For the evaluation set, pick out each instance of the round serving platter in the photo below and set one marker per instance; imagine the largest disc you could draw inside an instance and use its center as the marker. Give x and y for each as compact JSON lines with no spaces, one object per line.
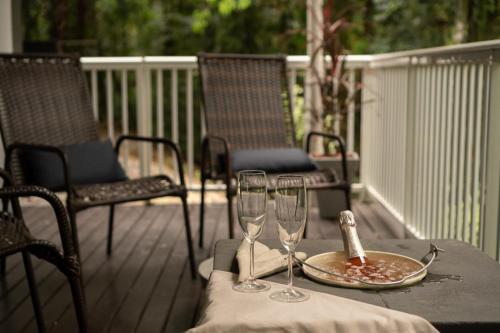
{"x":336,"y":261}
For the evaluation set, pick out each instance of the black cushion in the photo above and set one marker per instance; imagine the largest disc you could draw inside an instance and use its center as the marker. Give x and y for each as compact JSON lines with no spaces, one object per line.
{"x":272,"y":160}
{"x":89,"y":163}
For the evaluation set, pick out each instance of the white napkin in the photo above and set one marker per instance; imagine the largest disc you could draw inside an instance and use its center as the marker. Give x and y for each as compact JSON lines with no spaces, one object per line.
{"x":227,"y":310}
{"x":266,"y":261}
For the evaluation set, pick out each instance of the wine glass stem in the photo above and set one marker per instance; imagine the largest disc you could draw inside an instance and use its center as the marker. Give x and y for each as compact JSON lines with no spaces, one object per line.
{"x":251,"y":278}
{"x":290,"y":269}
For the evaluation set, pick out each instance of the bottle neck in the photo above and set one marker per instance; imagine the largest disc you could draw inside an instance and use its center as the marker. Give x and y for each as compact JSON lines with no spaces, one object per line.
{"x":352,"y":245}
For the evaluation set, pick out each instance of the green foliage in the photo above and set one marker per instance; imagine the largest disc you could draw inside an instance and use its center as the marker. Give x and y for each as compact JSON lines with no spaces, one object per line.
{"x":132,"y":27}
{"x":175,"y":27}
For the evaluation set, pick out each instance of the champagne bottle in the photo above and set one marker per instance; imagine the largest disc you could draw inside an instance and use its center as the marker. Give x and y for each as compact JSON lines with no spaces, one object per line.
{"x":352,"y":246}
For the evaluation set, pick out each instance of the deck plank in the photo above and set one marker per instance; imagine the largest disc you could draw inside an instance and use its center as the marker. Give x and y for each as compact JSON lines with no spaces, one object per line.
{"x":59,"y":301}
{"x":129,"y":312}
{"x":96,"y":259}
{"x":145,"y":286}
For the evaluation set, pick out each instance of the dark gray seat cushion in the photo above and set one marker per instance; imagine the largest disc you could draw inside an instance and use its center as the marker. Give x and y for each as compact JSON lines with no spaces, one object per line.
{"x":272,"y":160}
{"x":89,"y":163}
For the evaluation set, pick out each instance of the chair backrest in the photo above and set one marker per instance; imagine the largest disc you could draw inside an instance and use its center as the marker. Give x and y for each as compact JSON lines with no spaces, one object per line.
{"x":246,"y":100}
{"x":44,"y":99}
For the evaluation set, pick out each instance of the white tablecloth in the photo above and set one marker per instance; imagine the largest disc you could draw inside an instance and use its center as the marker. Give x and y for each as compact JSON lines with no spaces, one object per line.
{"x":229,"y":311}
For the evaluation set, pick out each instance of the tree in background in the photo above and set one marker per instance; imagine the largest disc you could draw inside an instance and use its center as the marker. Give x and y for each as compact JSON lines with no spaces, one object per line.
{"x":174,"y":27}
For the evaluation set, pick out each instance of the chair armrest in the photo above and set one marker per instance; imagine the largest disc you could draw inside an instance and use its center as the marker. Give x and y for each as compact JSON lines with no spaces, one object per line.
{"x":227,"y":150}
{"x":65,"y":231}
{"x":172,"y":145}
{"x":340,"y":142}
{"x":39,"y":147}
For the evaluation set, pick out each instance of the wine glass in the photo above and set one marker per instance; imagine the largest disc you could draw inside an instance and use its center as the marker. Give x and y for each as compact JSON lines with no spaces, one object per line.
{"x":291,"y":212}
{"x":252,"y":205}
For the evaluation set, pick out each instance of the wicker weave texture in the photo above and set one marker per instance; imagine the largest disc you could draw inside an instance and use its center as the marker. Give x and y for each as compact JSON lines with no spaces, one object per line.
{"x":245,"y":100}
{"x":124,"y":191}
{"x":44,"y":100}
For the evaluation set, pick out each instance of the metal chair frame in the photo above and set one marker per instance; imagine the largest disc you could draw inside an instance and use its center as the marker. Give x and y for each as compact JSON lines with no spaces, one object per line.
{"x":18,"y":239}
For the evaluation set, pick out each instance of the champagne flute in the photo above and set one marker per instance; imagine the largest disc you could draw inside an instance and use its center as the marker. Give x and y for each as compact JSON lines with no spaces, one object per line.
{"x":291,"y":212}
{"x":252,"y":205}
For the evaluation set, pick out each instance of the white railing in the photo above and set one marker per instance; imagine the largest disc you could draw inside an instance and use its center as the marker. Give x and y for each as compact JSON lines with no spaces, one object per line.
{"x":430,"y":127}
{"x":148,"y":76}
{"x":430,"y":140}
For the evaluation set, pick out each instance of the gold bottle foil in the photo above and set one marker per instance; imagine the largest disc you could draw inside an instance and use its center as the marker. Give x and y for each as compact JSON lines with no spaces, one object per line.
{"x":352,"y":245}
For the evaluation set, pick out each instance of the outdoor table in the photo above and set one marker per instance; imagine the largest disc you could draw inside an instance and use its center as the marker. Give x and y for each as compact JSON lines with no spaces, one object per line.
{"x":461,"y":292}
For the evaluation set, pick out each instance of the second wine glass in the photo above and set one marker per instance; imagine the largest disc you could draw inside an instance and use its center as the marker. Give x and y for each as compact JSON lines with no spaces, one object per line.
{"x":291,"y":212}
{"x":252,"y":205}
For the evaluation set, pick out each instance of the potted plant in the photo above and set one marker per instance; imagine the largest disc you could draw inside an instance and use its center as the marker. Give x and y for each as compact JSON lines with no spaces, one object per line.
{"x":334,"y":85}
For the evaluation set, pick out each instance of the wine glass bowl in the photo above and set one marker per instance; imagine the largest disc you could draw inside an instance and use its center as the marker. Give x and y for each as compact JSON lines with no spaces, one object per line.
{"x":290,"y":206}
{"x":251,"y":206}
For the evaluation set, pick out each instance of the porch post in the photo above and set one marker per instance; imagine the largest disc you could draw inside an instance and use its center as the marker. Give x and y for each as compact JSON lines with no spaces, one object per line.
{"x":314,"y":106}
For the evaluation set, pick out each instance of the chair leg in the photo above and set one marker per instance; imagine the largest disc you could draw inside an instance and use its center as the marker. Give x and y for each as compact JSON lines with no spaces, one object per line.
{"x":3,"y":261}
{"x":347,"y":194}
{"x":72,"y":221}
{"x":76,"y":242}
{"x":110,"y":229}
{"x":202,"y":213}
{"x":230,"y":214}
{"x":35,"y":300}
{"x":187,"y":226}
{"x":79,"y":303}
{"x":3,"y":266}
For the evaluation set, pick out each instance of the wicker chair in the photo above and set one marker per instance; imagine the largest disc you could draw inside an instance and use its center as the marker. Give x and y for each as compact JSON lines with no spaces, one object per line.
{"x":45,"y":105}
{"x":16,"y":238}
{"x":247,"y":106}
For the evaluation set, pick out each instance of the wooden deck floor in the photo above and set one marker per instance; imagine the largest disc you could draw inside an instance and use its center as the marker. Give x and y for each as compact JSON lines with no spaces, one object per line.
{"x":145,"y":286}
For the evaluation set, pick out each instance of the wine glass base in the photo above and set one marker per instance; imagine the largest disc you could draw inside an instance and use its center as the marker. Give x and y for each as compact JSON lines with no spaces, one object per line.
{"x":289,"y":295}
{"x":251,"y":286}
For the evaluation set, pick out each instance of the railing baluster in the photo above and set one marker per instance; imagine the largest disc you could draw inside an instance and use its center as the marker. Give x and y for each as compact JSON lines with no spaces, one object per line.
{"x":95,"y":93}
{"x":351,"y":110}
{"x":203,"y":122}
{"x":148,"y":124}
{"x":189,"y":124}
{"x":174,"y":107}
{"x":159,"y":118}
{"x":477,"y":158}
{"x":467,"y":221}
{"x":109,"y":105}
{"x":442,"y":149}
{"x":416,"y":150}
{"x":140,"y":114}
{"x":455,"y":157}
{"x":461,"y":152}
{"x":436,"y":111}
{"x":448,"y":156}
{"x":402,"y":112}
{"x":420,"y":146}
{"x":125,"y":125}
{"x":426,"y":175}
{"x":386,"y":125}
{"x":174,"y":121}
{"x":292,"y":81}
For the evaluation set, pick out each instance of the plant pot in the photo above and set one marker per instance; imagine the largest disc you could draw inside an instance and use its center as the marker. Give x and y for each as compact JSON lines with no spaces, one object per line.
{"x":329,"y":202}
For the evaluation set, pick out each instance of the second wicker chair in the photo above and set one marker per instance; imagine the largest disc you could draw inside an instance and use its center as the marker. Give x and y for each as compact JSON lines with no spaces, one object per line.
{"x":247,"y":106}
